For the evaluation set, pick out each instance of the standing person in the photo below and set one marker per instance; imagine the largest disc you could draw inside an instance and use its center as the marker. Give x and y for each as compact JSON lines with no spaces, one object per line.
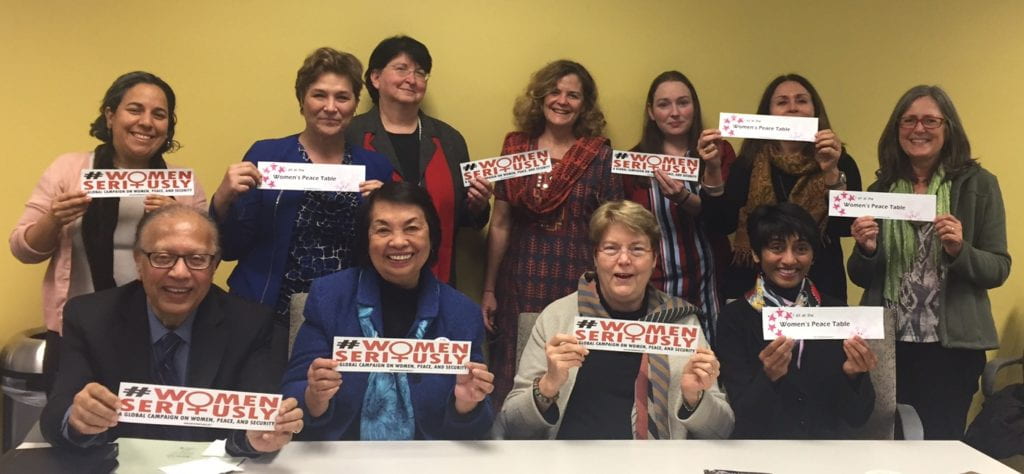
{"x":935,"y":276}
{"x":538,"y":235}
{"x":422,"y":149}
{"x":691,"y":254}
{"x":771,"y":171}
{"x":566,"y":391}
{"x":285,"y":239}
{"x":88,"y":242}
{"x":786,"y":388}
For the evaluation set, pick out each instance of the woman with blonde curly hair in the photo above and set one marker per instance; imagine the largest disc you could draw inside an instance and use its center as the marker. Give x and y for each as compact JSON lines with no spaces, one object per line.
{"x":538,"y":234}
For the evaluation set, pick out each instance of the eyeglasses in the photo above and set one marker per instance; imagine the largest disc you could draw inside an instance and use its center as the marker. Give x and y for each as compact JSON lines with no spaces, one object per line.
{"x":928,"y":121}
{"x":199,"y":261}
{"x":613,"y":250}
{"x":403,"y":71}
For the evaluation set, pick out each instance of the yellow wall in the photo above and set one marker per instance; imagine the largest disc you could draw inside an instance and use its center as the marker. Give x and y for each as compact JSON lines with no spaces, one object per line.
{"x":232,"y":64}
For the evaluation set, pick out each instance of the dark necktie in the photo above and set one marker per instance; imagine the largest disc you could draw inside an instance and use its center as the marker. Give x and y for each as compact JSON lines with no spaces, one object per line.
{"x":163,"y":359}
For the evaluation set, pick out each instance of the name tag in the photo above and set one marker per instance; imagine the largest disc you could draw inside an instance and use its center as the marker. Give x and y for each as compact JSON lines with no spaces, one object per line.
{"x":202,"y":407}
{"x":618,"y":335}
{"x":644,"y":164}
{"x":898,"y":206}
{"x":311,"y":176}
{"x":380,"y":354}
{"x":768,"y":127}
{"x":823,"y":322}
{"x":504,"y":167}
{"x":138,"y":182}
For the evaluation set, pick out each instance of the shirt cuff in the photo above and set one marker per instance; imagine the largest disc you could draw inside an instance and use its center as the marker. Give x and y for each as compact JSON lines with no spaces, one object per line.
{"x":76,"y":438}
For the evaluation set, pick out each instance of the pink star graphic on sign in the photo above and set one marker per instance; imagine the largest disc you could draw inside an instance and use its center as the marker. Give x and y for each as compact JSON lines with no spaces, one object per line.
{"x":835,"y":206}
{"x":844,"y":195}
{"x":731,"y":133}
{"x":779,"y":313}
{"x":842,"y":212}
{"x":771,"y":328}
{"x":726,"y":120}
{"x":778,"y":333}
{"x":266,"y":170}
{"x":734,"y":118}
{"x":838,"y":198}
{"x":850,"y":197}
{"x":740,"y":120}
{"x":771,"y":318}
{"x":789,"y":315}
{"x":270,"y":183}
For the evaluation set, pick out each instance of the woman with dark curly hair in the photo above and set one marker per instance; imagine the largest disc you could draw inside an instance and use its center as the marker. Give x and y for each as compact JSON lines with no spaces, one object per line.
{"x":538,"y":235}
{"x":89,"y":242}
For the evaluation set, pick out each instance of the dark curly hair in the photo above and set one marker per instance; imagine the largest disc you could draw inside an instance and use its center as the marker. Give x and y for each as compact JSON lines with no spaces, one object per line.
{"x":529,"y":107}
{"x":112,"y":99}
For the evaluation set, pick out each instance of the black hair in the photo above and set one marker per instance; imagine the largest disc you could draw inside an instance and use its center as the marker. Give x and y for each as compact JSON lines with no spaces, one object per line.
{"x":390,"y":49}
{"x":399,"y":192}
{"x":112,"y":99}
{"x":751,"y":148}
{"x":769,"y":223}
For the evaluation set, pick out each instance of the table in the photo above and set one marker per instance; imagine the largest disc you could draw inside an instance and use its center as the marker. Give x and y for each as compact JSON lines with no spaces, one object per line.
{"x":620,"y":457}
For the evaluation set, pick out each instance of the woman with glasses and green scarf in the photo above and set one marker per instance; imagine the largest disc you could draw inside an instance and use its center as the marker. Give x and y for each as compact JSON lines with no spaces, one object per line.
{"x":934,"y":276}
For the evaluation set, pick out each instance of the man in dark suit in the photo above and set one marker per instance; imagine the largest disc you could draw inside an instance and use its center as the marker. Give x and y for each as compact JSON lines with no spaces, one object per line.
{"x":171,"y":327}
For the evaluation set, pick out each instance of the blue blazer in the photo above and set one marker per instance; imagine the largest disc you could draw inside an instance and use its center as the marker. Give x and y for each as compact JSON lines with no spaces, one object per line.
{"x":258,"y":228}
{"x":332,"y":310}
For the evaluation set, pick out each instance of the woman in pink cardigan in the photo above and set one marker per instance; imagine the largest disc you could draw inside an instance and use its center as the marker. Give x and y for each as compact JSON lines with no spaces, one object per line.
{"x":89,"y":242}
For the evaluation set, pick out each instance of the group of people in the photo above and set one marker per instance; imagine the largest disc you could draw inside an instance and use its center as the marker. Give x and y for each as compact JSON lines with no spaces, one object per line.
{"x":577,"y":240}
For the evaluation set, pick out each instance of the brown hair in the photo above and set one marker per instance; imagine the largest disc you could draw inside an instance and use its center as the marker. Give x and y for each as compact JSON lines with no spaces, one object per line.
{"x":627,"y":213}
{"x":328,"y":60}
{"x":529,"y":107}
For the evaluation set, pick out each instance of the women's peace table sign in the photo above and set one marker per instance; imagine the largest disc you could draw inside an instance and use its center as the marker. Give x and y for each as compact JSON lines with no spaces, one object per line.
{"x":382,"y":354}
{"x":101,"y":183}
{"x":823,"y":322}
{"x":644,"y":164}
{"x":280,"y":176}
{"x":897,"y":206}
{"x":617,"y":335}
{"x":768,"y":127}
{"x":505,"y":167}
{"x":187,"y":406}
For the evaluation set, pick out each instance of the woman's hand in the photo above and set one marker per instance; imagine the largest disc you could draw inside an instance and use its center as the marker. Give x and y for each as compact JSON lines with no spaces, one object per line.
{"x":776,"y":356}
{"x":699,"y":374}
{"x":478,"y":194}
{"x":472,"y":387}
{"x":563,"y":352}
{"x":239,"y":178}
{"x":367,"y":187}
{"x":488,"y":307}
{"x":68,"y":206}
{"x":859,"y":357}
{"x":322,"y":382}
{"x":156,"y":201}
{"x":709,"y":150}
{"x":287,"y":423}
{"x":826,"y":152}
{"x":951,"y":234}
{"x":865,"y":232}
{"x":673,"y":189}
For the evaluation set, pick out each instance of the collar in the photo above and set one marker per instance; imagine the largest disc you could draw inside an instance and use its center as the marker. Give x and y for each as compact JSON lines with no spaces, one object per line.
{"x":368,"y":294}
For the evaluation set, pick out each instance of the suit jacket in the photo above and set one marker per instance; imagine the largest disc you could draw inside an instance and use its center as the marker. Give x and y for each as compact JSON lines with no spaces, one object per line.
{"x":107,"y":340}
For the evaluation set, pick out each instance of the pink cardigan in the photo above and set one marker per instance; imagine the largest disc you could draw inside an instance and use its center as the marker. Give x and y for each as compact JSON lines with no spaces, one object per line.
{"x":61,"y":176}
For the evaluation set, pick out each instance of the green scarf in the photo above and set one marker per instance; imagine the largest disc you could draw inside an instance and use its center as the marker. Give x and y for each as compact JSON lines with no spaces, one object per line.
{"x":900,"y":238}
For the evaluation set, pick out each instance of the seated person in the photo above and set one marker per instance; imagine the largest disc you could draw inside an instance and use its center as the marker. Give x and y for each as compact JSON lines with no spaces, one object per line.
{"x":393,"y":294}
{"x":788,"y":389}
{"x":565,"y":391}
{"x":171,"y":328}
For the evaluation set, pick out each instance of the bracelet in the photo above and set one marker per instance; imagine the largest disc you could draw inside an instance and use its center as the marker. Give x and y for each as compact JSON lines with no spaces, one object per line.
{"x":686,"y":406}
{"x":540,"y":397}
{"x":713,"y":190}
{"x":488,"y":291}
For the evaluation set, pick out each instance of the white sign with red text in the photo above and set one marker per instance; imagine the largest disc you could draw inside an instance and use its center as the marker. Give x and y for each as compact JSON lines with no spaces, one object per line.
{"x":897,"y":206}
{"x":619,"y":335}
{"x":507,"y":166}
{"x":768,"y":127}
{"x":381,"y":354}
{"x":835,"y":322}
{"x":311,"y":176}
{"x":644,"y":164}
{"x":187,"y":406}
{"x":138,"y":182}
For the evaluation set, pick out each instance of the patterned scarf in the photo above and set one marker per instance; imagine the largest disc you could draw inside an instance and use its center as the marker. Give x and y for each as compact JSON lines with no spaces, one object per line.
{"x":809,"y":192}
{"x":100,"y":221}
{"x":387,"y":412}
{"x":526,"y":192}
{"x":650,"y":416}
{"x":764,"y":295}
{"x":900,"y":238}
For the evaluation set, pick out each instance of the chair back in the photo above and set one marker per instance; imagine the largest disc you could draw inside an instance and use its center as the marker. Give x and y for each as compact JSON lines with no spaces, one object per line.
{"x":526,"y":322}
{"x":883,"y":419}
{"x":296,"y":316}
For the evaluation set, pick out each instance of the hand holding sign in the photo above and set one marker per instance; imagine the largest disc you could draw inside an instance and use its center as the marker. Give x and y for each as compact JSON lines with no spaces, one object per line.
{"x":156,"y":201}
{"x":322,"y":382}
{"x":563,"y":352}
{"x":369,"y":186}
{"x":865,"y":231}
{"x":859,"y":357}
{"x":239,"y":178}
{"x":287,"y":423}
{"x":93,"y":410}
{"x":700,"y":373}
{"x":826,"y":150}
{"x":69,"y":206}
{"x":472,"y":388}
{"x":478,"y":194}
{"x":708,"y":148}
{"x":951,"y":234}
{"x":776,"y":356}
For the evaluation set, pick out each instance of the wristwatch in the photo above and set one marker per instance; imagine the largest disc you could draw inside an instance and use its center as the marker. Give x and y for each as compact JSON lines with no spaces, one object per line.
{"x":838,"y":184}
